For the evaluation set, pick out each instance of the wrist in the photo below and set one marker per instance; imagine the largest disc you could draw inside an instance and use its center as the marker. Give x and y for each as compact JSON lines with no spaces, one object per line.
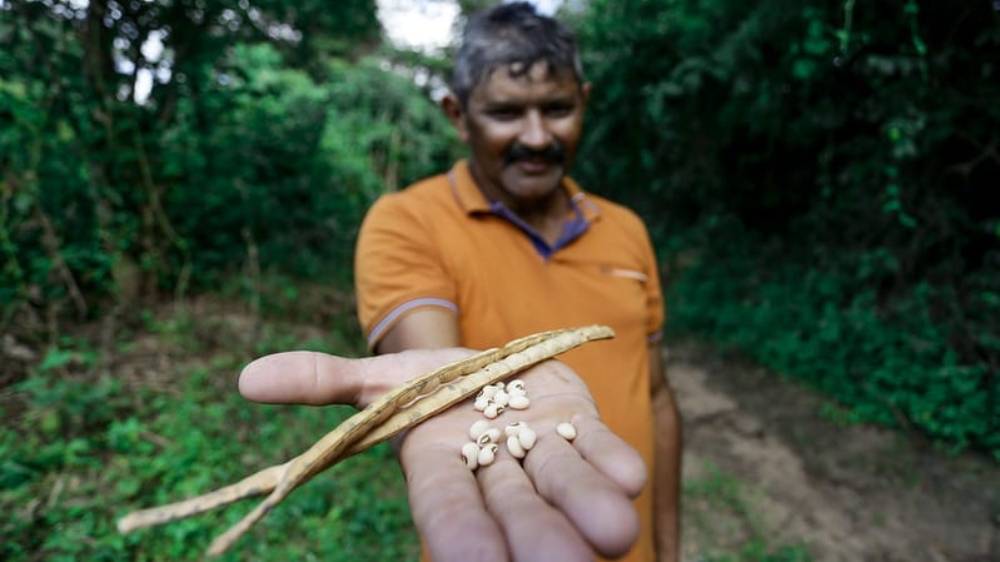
{"x":369,"y":382}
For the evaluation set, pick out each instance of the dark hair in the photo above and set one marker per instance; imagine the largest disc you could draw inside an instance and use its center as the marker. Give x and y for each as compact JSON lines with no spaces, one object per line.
{"x":511,"y":34}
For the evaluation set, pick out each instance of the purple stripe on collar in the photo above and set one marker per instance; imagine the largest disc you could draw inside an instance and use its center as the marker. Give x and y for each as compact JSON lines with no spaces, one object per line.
{"x":571,"y":230}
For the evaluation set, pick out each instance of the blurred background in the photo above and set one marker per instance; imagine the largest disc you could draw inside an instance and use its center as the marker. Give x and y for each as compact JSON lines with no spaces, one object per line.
{"x":181,"y":183}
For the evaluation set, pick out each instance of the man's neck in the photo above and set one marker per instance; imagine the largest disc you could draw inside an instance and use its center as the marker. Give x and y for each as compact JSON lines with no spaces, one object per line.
{"x":546,"y":215}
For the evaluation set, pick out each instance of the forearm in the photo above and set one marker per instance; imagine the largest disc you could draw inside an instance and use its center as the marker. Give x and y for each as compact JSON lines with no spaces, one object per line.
{"x":667,"y":465}
{"x":666,"y":479}
{"x":426,"y":328}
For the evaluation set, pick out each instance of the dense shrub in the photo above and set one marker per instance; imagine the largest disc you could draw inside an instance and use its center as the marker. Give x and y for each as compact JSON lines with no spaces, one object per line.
{"x":264,"y":137}
{"x":824,"y":172}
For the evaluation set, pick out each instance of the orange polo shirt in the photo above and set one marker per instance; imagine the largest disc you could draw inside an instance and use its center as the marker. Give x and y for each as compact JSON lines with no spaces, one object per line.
{"x":441,"y":243}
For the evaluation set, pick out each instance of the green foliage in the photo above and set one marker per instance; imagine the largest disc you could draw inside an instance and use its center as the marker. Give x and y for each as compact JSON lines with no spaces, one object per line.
{"x":890,"y":364}
{"x":818,"y":174}
{"x":259,"y":145}
{"x":295,"y":163}
{"x":757,"y":551}
{"x":87,"y":448}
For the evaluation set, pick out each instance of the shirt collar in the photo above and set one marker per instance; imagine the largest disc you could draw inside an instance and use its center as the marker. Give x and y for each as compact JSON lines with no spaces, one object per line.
{"x":472,"y":201}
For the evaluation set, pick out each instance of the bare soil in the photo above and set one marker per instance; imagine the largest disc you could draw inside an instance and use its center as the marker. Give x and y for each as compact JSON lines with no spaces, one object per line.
{"x":762,"y":460}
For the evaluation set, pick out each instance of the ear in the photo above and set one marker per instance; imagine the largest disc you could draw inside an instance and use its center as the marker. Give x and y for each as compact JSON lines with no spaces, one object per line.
{"x":585,"y":93}
{"x":455,"y":113}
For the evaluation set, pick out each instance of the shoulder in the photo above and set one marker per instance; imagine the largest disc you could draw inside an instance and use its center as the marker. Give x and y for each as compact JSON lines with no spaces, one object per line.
{"x":618,"y":215}
{"x":619,"y":227}
{"x":415,"y":203}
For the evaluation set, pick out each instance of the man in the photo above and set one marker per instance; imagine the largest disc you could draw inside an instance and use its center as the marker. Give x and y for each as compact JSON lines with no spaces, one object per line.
{"x":502,"y":246}
{"x":506,"y":244}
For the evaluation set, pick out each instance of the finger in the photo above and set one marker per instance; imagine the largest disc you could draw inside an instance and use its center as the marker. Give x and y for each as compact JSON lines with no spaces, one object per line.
{"x":301,"y":377}
{"x":447,"y":508}
{"x":596,"y":506}
{"x":609,"y":454}
{"x":308,"y":377}
{"x":534,"y":530}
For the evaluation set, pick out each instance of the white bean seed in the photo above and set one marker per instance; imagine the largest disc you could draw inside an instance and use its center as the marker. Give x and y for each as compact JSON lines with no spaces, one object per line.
{"x":470,"y":452}
{"x":501,"y":398}
{"x":492,"y":411}
{"x":494,"y":434}
{"x":513,"y":428}
{"x":567,"y":430}
{"x":515,"y":448}
{"x":481,"y":404}
{"x":487,"y":454}
{"x":519,"y":402}
{"x":516,"y":386}
{"x":527,"y":437}
{"x":484,"y":439}
{"x":478,"y":428}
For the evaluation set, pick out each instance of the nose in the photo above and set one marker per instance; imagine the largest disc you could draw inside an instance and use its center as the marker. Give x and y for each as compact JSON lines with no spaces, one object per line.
{"x":534,"y":133}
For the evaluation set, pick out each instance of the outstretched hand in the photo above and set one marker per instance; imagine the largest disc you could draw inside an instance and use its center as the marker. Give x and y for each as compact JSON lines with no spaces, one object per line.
{"x":563,"y":501}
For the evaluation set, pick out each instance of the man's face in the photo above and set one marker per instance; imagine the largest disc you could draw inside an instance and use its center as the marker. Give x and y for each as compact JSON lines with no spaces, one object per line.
{"x":523,"y":130}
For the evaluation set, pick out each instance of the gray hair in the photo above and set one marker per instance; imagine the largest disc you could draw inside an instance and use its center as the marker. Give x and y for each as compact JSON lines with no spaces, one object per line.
{"x":511,"y":34}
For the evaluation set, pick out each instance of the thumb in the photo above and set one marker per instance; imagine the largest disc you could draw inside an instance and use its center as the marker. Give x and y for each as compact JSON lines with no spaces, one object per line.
{"x":308,"y":377}
{"x":302,"y":377}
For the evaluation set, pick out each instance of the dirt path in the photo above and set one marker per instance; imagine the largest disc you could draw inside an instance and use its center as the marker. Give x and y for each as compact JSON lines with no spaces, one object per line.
{"x":762,"y":464}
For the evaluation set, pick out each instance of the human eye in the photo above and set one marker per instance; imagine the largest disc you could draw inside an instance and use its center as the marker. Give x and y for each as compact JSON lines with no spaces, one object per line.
{"x":559,"y":109}
{"x":503,"y":112}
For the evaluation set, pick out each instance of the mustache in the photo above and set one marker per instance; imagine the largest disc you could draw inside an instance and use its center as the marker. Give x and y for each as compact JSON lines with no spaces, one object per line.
{"x":554,"y":153}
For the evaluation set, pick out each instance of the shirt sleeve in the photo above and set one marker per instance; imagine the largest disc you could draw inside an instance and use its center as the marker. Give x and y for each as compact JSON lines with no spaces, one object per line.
{"x":397,"y":268}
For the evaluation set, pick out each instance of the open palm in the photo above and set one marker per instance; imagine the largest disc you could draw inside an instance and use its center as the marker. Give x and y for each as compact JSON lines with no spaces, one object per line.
{"x":563,"y":501}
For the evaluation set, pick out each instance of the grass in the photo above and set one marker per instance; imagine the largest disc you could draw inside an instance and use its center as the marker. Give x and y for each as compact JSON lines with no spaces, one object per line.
{"x":720,"y":517}
{"x":82,"y":446}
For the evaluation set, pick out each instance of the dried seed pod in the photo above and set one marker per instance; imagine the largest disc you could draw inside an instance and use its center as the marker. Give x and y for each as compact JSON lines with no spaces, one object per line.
{"x":501,"y":398}
{"x":478,"y":428}
{"x":513,"y":428}
{"x":487,"y":454}
{"x":481,"y":404}
{"x":508,"y":363}
{"x":393,"y":412}
{"x":519,"y":402}
{"x":515,"y":448}
{"x":470,"y":452}
{"x":527,"y":437}
{"x":567,"y":430}
{"x":493,"y":433}
{"x":516,"y":386}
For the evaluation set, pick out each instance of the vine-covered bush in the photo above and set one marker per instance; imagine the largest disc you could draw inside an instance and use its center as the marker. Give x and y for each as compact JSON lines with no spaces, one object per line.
{"x":287,"y":171}
{"x":821,"y":176}
{"x":265,"y":134}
